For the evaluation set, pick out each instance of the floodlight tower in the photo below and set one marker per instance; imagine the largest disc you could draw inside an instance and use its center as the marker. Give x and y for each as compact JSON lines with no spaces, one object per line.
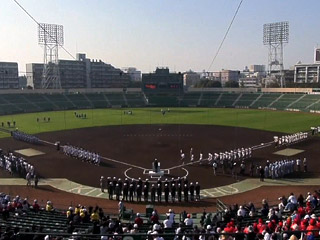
{"x":51,"y":38}
{"x":274,"y":36}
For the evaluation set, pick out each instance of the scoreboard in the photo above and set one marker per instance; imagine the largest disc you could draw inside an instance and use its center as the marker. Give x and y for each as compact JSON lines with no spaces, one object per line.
{"x":162,"y":81}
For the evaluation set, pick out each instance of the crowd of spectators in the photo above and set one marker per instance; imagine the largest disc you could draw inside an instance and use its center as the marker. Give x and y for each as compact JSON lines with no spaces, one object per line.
{"x":172,"y":190}
{"x":293,"y":217}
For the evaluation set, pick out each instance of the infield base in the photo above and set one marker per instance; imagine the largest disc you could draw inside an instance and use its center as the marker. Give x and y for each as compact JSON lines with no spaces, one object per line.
{"x":288,"y":152}
{"x":29,"y":152}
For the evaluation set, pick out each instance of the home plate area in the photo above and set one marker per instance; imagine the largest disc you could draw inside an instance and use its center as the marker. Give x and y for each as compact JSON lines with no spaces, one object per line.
{"x":29,"y":152}
{"x":288,"y":152}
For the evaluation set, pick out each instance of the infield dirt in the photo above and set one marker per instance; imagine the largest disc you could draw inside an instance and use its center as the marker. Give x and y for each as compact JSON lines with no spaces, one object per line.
{"x":139,"y":145}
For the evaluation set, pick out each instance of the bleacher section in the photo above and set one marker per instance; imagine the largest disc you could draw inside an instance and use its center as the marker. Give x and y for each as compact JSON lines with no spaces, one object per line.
{"x":135,"y":99}
{"x":97,"y":100}
{"x":209,"y":99}
{"x":285,"y":100}
{"x":53,"y":222}
{"x":116,"y":99}
{"x":191,"y":99}
{"x":227,"y":99}
{"x":22,"y":103}
{"x":265,"y":100}
{"x":246,"y":99}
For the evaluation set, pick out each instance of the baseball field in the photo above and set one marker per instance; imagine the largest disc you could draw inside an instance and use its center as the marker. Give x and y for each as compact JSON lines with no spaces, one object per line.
{"x":130,"y":142}
{"x":278,"y":121}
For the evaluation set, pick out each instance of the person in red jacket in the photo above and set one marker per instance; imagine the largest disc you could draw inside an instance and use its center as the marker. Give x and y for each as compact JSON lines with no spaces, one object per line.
{"x":35,"y":206}
{"x":309,"y":208}
{"x":279,"y":227}
{"x":154,"y":218}
{"x":303,"y":225}
{"x":255,"y":228}
{"x":138,"y":220}
{"x":312,"y":226}
{"x":296,"y":225}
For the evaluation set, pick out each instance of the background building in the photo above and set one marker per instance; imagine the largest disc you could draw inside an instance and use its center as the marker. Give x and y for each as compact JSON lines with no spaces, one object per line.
{"x":222,"y":76}
{"x":81,"y":73}
{"x":306,"y":73}
{"x":34,"y":74}
{"x":190,"y":78}
{"x":9,"y":77}
{"x":22,"y":81}
{"x":134,"y":74}
{"x":227,"y":76}
{"x":249,"y":82}
{"x":257,"y":68}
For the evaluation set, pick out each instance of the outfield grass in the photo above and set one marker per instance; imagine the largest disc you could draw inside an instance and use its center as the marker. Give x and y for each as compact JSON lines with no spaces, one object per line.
{"x":279,"y":121}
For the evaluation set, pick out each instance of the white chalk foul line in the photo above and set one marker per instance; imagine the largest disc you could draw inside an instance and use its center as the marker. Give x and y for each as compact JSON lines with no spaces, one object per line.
{"x":123,"y":163}
{"x":108,"y":159}
{"x":50,"y":143}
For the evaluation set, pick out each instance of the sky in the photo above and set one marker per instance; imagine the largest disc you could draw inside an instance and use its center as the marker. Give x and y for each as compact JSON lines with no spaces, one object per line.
{"x":179,"y":34}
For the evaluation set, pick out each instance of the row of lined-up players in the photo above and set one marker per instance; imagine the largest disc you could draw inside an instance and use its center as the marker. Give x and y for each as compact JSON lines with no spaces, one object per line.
{"x":174,"y":190}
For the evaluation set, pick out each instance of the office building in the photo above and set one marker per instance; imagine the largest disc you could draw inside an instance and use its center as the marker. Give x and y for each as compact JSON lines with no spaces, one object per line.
{"x":190,"y":78}
{"x":81,"y":73}
{"x":134,"y":74}
{"x":9,"y":77}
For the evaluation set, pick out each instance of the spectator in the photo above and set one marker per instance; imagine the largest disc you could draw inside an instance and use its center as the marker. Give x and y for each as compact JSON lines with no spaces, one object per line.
{"x":188,"y":221}
{"x":241,"y":213}
{"x":49,"y":206}
{"x":135,"y":229}
{"x":154,"y":218}
{"x":168,"y":223}
{"x":171,"y":215}
{"x":138,"y":220}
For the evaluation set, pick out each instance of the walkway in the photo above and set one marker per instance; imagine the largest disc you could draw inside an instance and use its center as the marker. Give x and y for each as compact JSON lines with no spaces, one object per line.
{"x":235,"y":188}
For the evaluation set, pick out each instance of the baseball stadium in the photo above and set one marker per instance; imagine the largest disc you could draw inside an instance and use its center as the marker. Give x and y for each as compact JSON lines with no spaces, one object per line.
{"x":115,"y":135}
{"x":149,"y":140}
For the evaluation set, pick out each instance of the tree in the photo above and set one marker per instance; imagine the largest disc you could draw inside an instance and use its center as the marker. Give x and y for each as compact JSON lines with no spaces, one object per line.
{"x":274,"y":84}
{"x":214,"y":84}
{"x":231,"y":84}
{"x":206,"y":83}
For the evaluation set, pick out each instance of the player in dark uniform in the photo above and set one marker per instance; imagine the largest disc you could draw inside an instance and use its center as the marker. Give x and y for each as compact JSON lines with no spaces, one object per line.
{"x":145,"y":193}
{"x":131,"y":192}
{"x":179,"y":189}
{"x":159,"y":192}
{"x":197,"y":191}
{"x":117,"y":192}
{"x":166,"y":192}
{"x":153,"y":193}
{"x":125,"y":191}
{"x":110,"y":190}
{"x":139,"y":193}
{"x":191,"y":190}
{"x":173,"y":192}
{"x":186,"y":193}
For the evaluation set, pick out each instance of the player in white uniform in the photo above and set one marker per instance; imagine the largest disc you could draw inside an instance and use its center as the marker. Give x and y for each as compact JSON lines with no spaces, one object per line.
{"x":200,"y":157}
{"x":215,"y":167}
{"x":182,"y":157}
